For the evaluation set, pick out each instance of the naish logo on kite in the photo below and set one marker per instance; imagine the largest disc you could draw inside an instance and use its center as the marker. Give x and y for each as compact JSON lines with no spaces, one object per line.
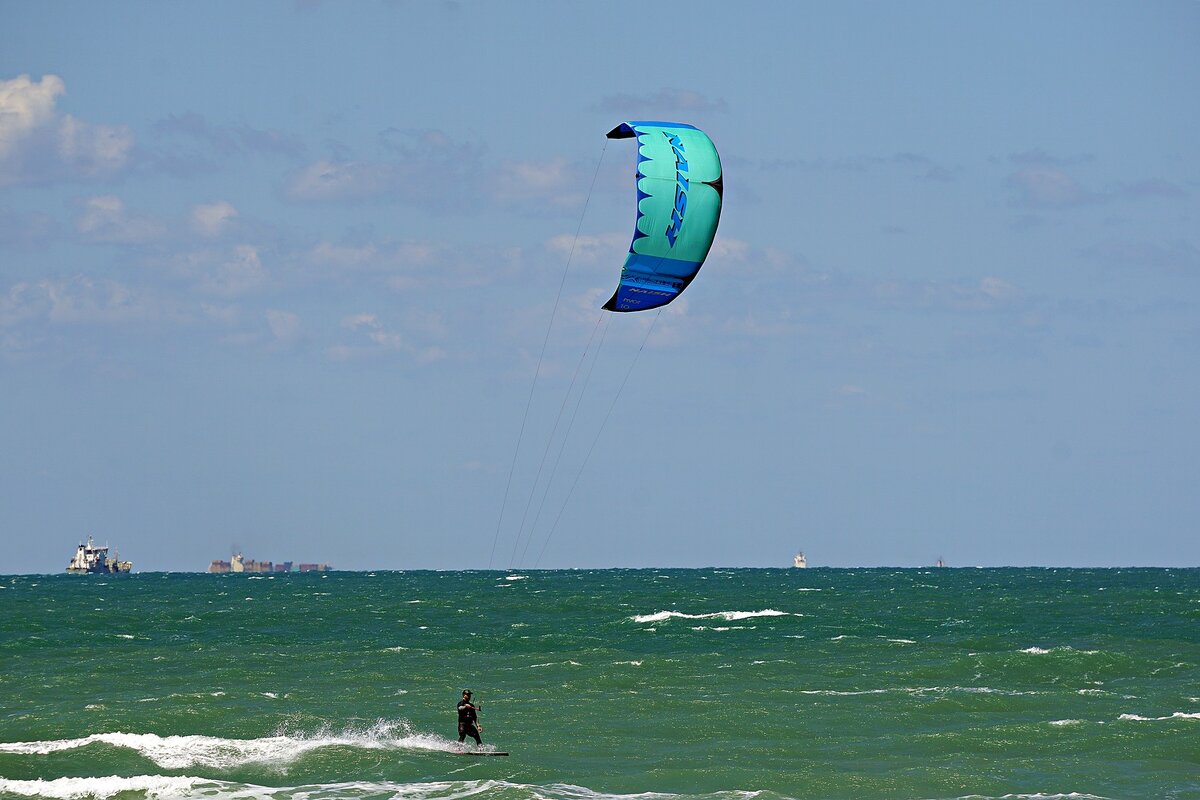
{"x":681,"y":187}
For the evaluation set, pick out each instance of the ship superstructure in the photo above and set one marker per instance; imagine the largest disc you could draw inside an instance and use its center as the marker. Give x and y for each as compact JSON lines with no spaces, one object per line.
{"x":92,"y":557}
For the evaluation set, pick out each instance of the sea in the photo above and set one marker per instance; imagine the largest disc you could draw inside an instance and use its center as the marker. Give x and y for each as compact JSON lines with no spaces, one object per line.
{"x":654,"y":684}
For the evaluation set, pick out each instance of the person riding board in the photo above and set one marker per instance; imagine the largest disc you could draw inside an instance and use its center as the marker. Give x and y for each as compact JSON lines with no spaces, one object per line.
{"x":468,"y":722}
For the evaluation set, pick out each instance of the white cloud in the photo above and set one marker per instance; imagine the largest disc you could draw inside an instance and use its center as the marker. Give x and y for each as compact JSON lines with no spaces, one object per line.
{"x":224,"y":315}
{"x":373,"y":338}
{"x":285,"y":325}
{"x":989,"y":294}
{"x":94,"y":150}
{"x":554,"y":181}
{"x":25,"y":106}
{"x":370,"y":325}
{"x":729,"y":249}
{"x":81,"y":300}
{"x":997,"y":289}
{"x":430,"y":169}
{"x":19,"y":304}
{"x":227,"y":272}
{"x":38,"y":143}
{"x":344,"y":256}
{"x":378,"y":257}
{"x":1048,"y":187}
{"x":105,"y":219}
{"x":236,"y":274}
{"x":591,"y":249}
{"x":339,"y":180}
{"x":211,"y":219}
{"x":408,"y":265}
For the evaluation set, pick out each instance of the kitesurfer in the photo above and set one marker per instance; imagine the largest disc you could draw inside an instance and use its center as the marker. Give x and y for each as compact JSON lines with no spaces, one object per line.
{"x":468,"y":722}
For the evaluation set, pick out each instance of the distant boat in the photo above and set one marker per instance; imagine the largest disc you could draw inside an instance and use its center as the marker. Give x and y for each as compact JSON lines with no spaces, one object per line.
{"x":799,"y":561}
{"x":940,"y":563}
{"x":92,"y":558}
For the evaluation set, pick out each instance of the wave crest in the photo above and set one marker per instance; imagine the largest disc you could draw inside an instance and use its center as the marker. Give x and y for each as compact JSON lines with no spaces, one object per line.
{"x":728,"y":616}
{"x":179,"y":752}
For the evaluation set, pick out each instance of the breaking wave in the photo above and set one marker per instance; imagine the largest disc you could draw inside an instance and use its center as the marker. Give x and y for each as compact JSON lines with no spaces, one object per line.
{"x":158,"y":787}
{"x":728,"y":616}
{"x":1176,"y":715}
{"x":180,"y":752}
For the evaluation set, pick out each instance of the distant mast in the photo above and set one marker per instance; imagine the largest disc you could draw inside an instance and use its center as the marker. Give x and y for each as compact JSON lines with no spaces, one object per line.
{"x":799,"y":561}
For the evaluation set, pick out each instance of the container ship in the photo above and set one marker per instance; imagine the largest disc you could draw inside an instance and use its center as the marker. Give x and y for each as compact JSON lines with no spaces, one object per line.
{"x":239,"y":564}
{"x":91,"y":558}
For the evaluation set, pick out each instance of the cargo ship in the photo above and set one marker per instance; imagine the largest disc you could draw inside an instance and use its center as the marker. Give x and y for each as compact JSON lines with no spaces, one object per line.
{"x":92,"y":558}
{"x":237,"y":563}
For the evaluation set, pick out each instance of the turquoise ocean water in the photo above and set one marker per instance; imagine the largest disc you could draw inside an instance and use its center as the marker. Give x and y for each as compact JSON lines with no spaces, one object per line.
{"x":720,"y":684}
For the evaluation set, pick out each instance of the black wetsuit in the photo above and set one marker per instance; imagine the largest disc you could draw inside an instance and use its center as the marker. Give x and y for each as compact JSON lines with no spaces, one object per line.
{"x":468,"y":723}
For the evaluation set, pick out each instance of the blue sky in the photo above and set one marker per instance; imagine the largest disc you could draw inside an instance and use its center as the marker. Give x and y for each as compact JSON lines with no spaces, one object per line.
{"x":277,"y":276}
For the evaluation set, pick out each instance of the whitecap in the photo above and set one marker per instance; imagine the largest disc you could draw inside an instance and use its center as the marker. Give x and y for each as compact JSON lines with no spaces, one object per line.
{"x":728,"y":616}
{"x":152,"y":786}
{"x":178,"y":752}
{"x":1176,"y":715}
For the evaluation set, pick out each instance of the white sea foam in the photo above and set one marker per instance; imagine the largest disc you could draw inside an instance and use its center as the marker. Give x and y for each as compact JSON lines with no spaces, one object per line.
{"x":516,"y":577}
{"x":1041,"y":651}
{"x":152,"y":786}
{"x":160,"y":786}
{"x":1036,"y":796}
{"x":728,"y":616}
{"x":722,"y":627}
{"x":921,"y":691}
{"x":1065,"y":722}
{"x":1176,"y":715}
{"x":178,"y":752}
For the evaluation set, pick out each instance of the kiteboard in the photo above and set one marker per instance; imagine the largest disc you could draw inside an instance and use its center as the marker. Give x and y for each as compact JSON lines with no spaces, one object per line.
{"x":478,"y":753}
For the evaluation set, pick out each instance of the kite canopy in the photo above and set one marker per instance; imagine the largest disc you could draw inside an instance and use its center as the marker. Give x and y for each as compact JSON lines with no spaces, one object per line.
{"x":678,"y":207}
